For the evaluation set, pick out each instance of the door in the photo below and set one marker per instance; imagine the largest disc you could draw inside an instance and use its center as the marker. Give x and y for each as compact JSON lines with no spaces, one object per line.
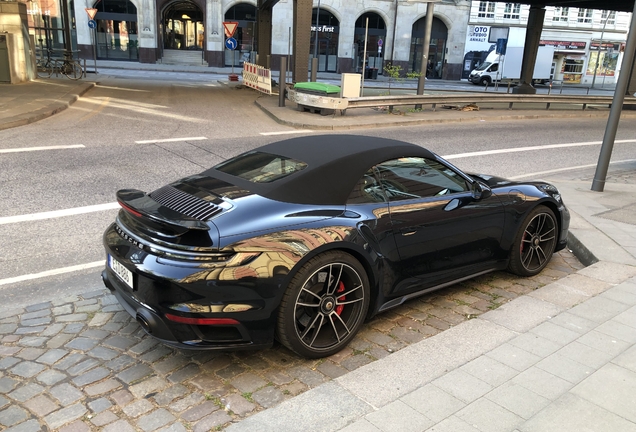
{"x":442,"y":233}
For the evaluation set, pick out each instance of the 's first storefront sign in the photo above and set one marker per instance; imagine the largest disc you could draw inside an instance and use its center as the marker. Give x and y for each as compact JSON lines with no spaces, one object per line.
{"x":324,"y":29}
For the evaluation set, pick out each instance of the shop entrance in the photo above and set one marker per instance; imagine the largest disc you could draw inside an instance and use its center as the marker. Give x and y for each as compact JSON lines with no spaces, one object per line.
{"x":436,"y":50}
{"x":183,"y":26}
{"x":327,"y":48}
{"x":245,"y":15}
{"x":375,"y":40}
{"x":116,"y":30}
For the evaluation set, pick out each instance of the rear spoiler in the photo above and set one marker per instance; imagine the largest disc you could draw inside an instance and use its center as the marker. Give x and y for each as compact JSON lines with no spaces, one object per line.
{"x":139,"y":204}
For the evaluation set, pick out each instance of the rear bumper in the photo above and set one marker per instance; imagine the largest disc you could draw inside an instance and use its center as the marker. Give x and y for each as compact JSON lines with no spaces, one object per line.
{"x":188,"y":305}
{"x":196,"y":337}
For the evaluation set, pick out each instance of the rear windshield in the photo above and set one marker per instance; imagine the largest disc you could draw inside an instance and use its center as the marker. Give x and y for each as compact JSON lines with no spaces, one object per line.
{"x":260,"y":167}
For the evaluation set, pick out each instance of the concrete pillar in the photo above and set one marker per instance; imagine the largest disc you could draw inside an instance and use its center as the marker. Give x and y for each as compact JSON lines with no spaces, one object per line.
{"x":531,"y":48}
{"x":16,"y":43}
{"x":302,"y":38}
{"x":264,"y":31}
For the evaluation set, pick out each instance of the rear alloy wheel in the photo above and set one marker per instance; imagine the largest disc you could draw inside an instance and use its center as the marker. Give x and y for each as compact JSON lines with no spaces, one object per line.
{"x":324,"y":305}
{"x":535,"y":243}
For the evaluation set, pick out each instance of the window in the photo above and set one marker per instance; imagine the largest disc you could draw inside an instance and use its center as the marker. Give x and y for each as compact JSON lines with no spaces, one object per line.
{"x":608,"y":17}
{"x":414,"y":177}
{"x":486,"y":9}
{"x":512,"y":10}
{"x":367,"y":190}
{"x":585,"y":16}
{"x":561,"y":14}
{"x":260,"y":167}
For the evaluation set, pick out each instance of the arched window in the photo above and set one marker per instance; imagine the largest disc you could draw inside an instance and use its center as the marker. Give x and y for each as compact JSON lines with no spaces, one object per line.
{"x":116,"y":32}
{"x":245,"y":15}
{"x":327,"y":48}
{"x":375,"y":40}
{"x":436,"y":49}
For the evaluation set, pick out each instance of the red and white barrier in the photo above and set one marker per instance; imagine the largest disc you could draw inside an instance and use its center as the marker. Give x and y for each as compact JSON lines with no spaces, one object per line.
{"x":257,"y":77}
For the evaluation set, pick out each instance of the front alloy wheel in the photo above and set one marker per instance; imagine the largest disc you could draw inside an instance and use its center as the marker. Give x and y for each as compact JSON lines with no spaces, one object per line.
{"x":535,"y":244}
{"x":324,"y":306}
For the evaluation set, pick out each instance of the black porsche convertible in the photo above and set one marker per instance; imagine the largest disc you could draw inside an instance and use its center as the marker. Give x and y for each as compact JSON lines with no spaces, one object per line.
{"x":303,"y":239}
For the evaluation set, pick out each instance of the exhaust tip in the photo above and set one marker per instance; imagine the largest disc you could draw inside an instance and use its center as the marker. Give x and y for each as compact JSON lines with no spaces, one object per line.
{"x":143,"y":322}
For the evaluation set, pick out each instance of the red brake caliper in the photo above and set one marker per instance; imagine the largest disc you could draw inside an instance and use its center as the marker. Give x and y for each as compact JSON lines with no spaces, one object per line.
{"x":340,"y":289}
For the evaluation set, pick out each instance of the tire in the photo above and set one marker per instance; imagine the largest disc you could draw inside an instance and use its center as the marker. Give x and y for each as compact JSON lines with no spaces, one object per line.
{"x":44,"y":69}
{"x":535,"y":242}
{"x":73,"y":71}
{"x":324,"y":305}
{"x":484,"y":81}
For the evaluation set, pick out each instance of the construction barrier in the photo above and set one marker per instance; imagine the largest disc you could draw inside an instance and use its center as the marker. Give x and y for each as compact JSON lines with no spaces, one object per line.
{"x":257,"y":77}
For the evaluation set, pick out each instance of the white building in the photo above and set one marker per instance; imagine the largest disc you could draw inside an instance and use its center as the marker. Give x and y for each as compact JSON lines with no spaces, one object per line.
{"x":152,"y":31}
{"x":588,"y":43}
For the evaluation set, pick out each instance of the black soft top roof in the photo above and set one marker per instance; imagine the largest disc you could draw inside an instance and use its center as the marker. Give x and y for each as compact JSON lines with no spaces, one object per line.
{"x":335,"y":163}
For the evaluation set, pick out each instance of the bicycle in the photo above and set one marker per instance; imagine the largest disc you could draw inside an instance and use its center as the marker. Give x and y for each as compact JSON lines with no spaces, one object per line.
{"x":72,"y":69}
{"x":44,"y":68}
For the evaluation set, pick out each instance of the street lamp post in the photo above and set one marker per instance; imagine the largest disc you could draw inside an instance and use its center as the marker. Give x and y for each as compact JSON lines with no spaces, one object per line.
{"x":316,"y":35}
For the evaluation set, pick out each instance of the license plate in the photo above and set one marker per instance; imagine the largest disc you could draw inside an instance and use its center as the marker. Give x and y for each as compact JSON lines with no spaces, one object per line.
{"x":121,"y":271}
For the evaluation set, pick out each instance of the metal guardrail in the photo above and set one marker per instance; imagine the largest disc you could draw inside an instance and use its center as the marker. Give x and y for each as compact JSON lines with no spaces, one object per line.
{"x":510,"y":99}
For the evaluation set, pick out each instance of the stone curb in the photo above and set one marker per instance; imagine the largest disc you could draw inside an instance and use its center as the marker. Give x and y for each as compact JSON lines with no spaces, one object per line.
{"x":27,"y":118}
{"x":417,"y":122}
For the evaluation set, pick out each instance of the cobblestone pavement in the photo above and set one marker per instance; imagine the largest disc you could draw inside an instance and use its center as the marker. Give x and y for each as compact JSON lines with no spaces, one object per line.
{"x":82,"y":363}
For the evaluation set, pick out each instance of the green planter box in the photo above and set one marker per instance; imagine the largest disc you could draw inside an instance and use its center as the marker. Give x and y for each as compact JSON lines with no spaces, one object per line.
{"x":317,"y":88}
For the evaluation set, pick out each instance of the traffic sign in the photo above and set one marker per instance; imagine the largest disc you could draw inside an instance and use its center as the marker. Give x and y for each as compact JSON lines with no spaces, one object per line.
{"x":230,"y":28}
{"x":380,"y":42}
{"x":92,"y":24}
{"x":230,"y":43}
{"x":91,"y":13}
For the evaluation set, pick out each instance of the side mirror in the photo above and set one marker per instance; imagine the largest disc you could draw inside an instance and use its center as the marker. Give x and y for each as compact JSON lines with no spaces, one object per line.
{"x":481,"y":191}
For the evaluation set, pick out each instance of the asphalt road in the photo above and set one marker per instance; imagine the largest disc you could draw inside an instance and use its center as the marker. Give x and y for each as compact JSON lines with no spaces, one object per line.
{"x":133,"y":133}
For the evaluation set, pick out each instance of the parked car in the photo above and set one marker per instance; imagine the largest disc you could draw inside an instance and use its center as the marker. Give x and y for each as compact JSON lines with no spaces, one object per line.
{"x":303,"y":239}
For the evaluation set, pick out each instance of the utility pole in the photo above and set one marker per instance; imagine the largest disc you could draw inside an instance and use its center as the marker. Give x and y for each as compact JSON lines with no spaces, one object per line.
{"x":598,"y":184}
{"x":425,"y":44}
{"x":68,"y":46}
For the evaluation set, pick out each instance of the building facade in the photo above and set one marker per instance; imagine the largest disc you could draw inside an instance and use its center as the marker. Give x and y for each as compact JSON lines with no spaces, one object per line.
{"x":150,"y":31}
{"x":588,"y":44}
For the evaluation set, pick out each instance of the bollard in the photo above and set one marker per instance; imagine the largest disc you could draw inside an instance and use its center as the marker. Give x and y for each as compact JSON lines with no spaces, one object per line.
{"x":509,"y":82}
{"x":282,"y":86}
{"x":314,"y":69}
{"x":550,"y":88}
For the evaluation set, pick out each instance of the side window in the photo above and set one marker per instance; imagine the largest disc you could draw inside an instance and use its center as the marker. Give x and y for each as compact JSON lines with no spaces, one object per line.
{"x":367,"y":190}
{"x":494,"y":68}
{"x":409,"y":178}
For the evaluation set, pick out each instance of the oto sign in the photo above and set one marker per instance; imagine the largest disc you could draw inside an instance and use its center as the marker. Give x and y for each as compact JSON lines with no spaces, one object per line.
{"x":230,"y":28}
